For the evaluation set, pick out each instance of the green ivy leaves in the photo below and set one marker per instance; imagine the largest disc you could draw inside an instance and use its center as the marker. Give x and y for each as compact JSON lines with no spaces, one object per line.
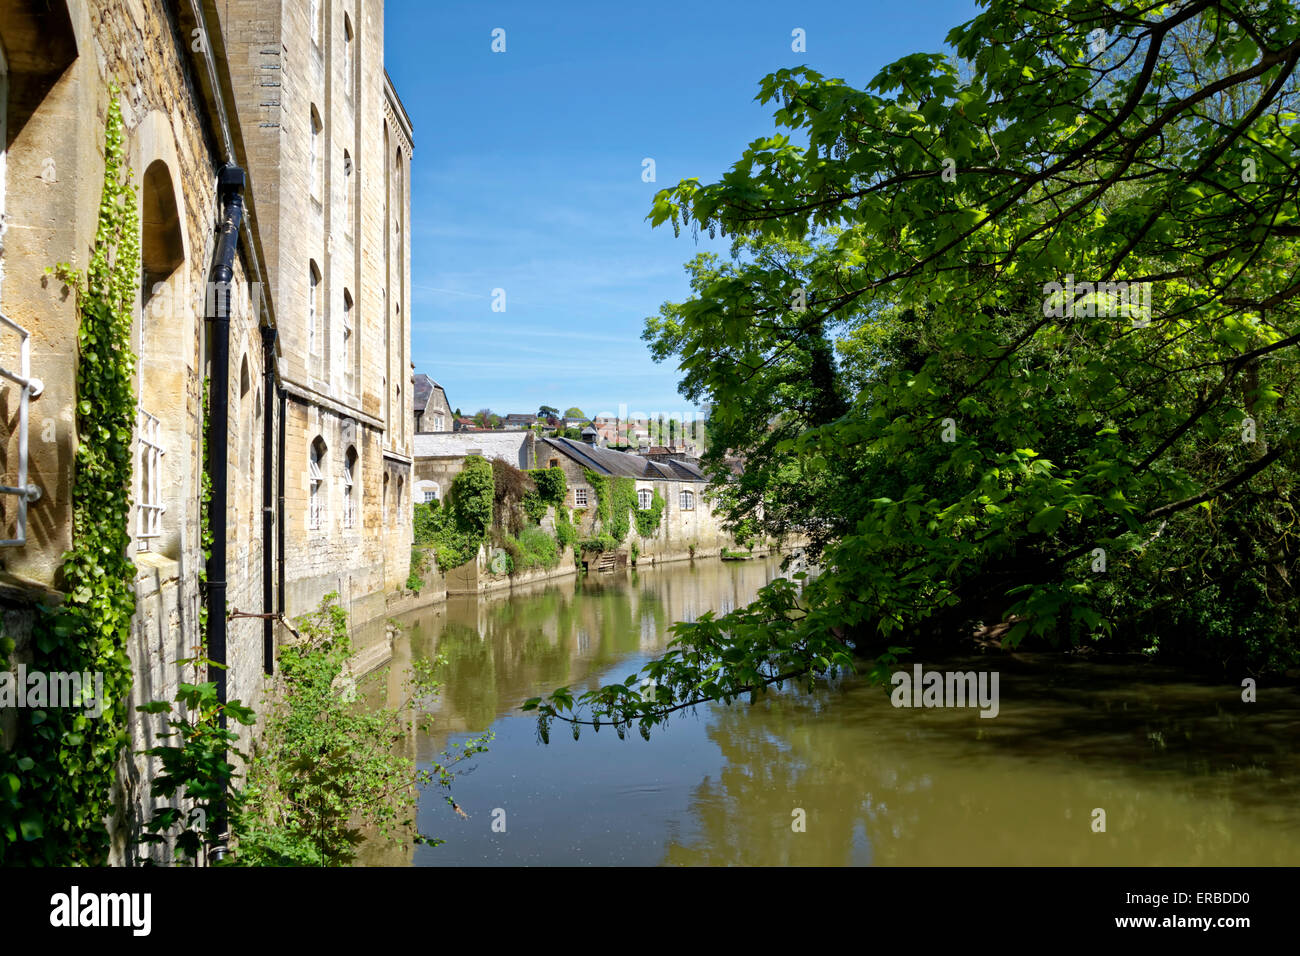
{"x":65,"y":764}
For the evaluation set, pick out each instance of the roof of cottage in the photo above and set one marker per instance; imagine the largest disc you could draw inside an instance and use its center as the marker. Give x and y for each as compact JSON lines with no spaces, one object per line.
{"x":423,"y":388}
{"x":606,"y":461}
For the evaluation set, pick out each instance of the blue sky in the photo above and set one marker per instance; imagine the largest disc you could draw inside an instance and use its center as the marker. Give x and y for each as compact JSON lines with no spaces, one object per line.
{"x":528,"y":172}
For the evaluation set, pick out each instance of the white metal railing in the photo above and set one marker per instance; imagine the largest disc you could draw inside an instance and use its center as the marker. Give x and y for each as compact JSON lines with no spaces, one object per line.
{"x":28,"y":388}
{"x":150,"y":510}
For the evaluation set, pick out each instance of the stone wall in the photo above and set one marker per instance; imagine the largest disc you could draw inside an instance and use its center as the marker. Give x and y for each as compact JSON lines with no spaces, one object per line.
{"x":55,"y":168}
{"x":682,"y":532}
{"x":333,"y":148}
{"x":513,"y":447}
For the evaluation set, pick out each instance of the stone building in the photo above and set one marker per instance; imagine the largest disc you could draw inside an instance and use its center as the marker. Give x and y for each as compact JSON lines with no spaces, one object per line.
{"x":60,"y":61}
{"x":432,"y":410}
{"x":317,"y":107}
{"x":288,"y":104}
{"x":689,"y":525}
{"x":440,"y":457}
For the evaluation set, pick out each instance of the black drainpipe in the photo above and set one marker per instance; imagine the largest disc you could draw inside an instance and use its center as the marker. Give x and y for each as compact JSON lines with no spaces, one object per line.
{"x":268,"y":509}
{"x":279,"y":511}
{"x":230,"y":188}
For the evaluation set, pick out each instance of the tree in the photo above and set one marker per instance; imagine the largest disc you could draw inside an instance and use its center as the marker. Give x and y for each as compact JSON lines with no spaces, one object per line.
{"x":486,"y":418}
{"x":1017,"y":350}
{"x":574,"y":413}
{"x":546,"y":411}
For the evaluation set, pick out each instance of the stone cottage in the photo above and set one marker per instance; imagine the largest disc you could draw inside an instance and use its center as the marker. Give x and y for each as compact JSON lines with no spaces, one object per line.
{"x":432,"y":410}
{"x":688,"y":527}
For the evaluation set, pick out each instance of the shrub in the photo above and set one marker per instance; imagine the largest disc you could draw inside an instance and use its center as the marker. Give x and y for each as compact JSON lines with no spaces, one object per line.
{"x":551,"y":485}
{"x":472,"y":495}
{"x":509,"y":488}
{"x":534,"y":507}
{"x":327,"y":768}
{"x":534,"y":548}
{"x":426,"y":522}
{"x":415,"y":580}
{"x":457,"y":528}
{"x":566,"y":535}
{"x":602,"y":542}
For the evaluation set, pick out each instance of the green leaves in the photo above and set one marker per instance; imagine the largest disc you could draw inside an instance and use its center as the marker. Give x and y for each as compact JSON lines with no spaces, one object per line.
{"x":65,"y":764}
{"x":929,"y":302}
{"x":1048,"y":519}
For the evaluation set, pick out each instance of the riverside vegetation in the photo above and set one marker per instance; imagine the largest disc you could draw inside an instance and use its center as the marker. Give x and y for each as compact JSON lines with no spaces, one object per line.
{"x":494,"y":503}
{"x":1011,"y":338}
{"x":326,"y":772}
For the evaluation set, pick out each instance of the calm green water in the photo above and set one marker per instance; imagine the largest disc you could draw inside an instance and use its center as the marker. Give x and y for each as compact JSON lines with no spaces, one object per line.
{"x":1186,"y":772}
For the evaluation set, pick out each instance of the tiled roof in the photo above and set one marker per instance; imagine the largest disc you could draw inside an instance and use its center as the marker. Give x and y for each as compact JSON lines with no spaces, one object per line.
{"x":424,"y":387}
{"x":608,"y":462}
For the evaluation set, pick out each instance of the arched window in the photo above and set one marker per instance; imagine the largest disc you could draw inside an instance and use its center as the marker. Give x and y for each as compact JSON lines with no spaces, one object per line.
{"x":313,"y":19}
{"x":688,"y":500}
{"x":316,"y":155}
{"x":349,"y":201}
{"x":162,"y":253}
{"x":347,"y":332}
{"x":400,"y":484}
{"x":347,"y":56}
{"x":316,"y":477}
{"x":245,"y":418}
{"x":644,"y":498}
{"x":349,"y":488}
{"x":383,"y":501}
{"x":313,"y":308}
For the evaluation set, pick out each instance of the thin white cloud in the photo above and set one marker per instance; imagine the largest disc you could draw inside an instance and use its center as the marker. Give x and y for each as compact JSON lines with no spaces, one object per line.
{"x":499,"y":331}
{"x":429,"y":288}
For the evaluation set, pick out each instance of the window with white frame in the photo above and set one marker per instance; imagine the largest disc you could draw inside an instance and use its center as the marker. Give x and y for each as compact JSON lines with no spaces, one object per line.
{"x":580,"y":497}
{"x":687,"y":500}
{"x":316,"y":478}
{"x":349,"y":488}
{"x":150,"y":508}
{"x":439,"y":422}
{"x":644,"y":498}
{"x":430,"y":495}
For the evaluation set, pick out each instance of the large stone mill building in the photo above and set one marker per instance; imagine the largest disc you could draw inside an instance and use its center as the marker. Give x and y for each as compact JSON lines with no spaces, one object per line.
{"x":294,"y":94}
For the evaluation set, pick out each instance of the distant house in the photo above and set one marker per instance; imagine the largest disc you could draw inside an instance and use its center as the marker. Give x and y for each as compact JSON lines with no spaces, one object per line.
{"x":439,"y":458}
{"x":688,"y":525}
{"x":609,"y":429}
{"x":511,"y":422}
{"x":432,"y":411}
{"x":663,"y":453}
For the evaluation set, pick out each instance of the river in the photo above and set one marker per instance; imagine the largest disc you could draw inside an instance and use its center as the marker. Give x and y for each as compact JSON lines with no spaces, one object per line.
{"x":1186,"y":773}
